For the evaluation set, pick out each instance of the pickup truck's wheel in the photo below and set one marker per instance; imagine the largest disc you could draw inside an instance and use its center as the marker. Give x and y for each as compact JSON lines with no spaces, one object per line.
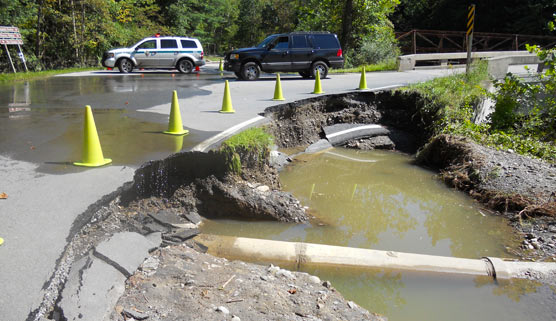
{"x":185,"y":66}
{"x":125,"y":65}
{"x":321,"y":67}
{"x":250,"y":71}
{"x":305,"y":74}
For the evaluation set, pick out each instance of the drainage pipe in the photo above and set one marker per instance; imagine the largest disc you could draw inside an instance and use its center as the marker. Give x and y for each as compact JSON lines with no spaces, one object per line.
{"x":308,"y":253}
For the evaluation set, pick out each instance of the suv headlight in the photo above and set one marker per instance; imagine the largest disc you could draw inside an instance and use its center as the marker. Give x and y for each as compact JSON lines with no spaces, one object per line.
{"x":110,"y":55}
{"x":234,"y":57}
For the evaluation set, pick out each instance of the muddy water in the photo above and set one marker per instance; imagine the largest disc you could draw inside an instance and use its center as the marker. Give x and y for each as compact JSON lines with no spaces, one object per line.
{"x":380,"y":200}
{"x":41,"y":121}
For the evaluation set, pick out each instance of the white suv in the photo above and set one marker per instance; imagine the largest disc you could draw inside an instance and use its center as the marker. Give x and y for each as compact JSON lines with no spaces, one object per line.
{"x":157,"y":52}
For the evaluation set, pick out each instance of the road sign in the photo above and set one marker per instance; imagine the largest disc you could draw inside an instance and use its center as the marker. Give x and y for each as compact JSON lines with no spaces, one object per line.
{"x":470,"y":28}
{"x":10,"y":36}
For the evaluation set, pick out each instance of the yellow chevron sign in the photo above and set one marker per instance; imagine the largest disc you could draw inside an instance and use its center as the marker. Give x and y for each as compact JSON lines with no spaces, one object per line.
{"x":470,"y":19}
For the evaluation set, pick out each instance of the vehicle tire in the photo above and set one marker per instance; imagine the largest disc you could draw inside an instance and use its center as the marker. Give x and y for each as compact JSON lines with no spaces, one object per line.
{"x":250,"y":71}
{"x":125,"y":65}
{"x":305,"y":74}
{"x":185,"y":66}
{"x":322,"y":67}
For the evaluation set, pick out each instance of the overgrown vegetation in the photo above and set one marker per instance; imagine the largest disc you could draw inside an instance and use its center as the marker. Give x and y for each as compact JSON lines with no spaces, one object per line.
{"x":524,"y":120}
{"x":253,"y":142}
{"x":389,"y":64}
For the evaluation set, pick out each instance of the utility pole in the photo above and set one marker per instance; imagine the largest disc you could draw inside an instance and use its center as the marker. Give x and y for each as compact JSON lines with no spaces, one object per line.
{"x":470,"y":27}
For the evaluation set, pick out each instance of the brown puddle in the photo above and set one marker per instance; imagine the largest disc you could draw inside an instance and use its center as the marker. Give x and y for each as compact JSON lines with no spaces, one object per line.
{"x":380,"y":200}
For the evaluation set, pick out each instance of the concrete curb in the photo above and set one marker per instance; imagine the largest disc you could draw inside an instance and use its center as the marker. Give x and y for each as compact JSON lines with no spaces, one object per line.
{"x":96,"y":281}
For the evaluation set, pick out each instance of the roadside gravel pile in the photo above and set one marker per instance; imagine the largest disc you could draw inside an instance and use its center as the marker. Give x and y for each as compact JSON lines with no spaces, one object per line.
{"x":178,"y":283}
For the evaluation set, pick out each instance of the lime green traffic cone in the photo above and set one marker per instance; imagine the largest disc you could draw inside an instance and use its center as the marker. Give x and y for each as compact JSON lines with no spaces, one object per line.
{"x":278,"y":89}
{"x":220,"y":67}
{"x":175,"y":126}
{"x":318,"y":89}
{"x":363,"y":81}
{"x":227,"y":101}
{"x":91,"y":155}
{"x":1,"y":241}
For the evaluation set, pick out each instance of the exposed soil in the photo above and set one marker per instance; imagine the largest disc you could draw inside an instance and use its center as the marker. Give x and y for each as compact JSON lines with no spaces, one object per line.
{"x":180,"y":283}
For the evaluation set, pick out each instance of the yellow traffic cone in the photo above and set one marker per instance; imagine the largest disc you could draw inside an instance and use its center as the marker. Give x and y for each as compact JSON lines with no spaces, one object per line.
{"x":363,"y":81}
{"x":92,"y":152}
{"x":220,"y":67}
{"x":227,"y":101}
{"x":1,"y":241}
{"x":318,"y":89}
{"x":175,"y":126}
{"x":278,"y":89}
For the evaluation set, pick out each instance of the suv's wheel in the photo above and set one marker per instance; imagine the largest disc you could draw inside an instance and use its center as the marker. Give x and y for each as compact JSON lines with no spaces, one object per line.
{"x":250,"y":71}
{"x":322,"y":67}
{"x":305,"y":74}
{"x":185,"y":66}
{"x":125,"y":65}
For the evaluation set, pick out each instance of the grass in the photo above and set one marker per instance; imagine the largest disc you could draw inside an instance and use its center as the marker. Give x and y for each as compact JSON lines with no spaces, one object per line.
{"x":31,"y":75}
{"x":383,"y":66}
{"x":252,"y":138}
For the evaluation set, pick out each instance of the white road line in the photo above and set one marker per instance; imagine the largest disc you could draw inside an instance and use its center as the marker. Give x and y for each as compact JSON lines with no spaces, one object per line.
{"x":201,"y":147}
{"x":354,"y":129}
{"x":386,"y":87}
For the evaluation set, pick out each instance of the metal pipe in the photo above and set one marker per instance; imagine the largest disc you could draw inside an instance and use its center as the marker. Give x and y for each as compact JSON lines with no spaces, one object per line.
{"x":308,"y":253}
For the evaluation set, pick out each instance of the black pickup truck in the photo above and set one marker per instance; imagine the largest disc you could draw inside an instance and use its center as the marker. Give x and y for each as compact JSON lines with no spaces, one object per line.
{"x":303,"y":52}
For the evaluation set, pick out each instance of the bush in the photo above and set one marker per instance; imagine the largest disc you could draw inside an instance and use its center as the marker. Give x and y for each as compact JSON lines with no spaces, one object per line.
{"x":378,"y":47}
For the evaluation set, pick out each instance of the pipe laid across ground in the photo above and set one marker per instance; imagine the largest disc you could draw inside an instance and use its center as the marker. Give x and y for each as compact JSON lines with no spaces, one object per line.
{"x":308,"y":253}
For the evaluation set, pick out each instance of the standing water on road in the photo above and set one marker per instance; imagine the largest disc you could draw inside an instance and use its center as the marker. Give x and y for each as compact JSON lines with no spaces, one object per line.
{"x":379,"y":200}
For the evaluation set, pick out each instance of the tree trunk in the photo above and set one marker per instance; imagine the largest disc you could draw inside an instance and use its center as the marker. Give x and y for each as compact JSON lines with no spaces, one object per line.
{"x":75,"y":43}
{"x":347,"y":23}
{"x":38,"y":38}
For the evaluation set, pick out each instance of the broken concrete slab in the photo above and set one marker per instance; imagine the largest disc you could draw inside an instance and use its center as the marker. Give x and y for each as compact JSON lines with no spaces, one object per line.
{"x":125,"y":251}
{"x":183,"y":234}
{"x":193,"y":217}
{"x":339,"y":133}
{"x":167,"y":218}
{"x":92,"y":290}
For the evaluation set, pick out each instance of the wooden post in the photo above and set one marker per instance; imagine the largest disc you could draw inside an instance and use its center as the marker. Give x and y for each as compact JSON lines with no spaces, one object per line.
{"x":414,"y":41}
{"x":10,"y":57}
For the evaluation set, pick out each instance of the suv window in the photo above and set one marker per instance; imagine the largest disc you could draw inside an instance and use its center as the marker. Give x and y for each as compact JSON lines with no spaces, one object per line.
{"x":149,"y":44}
{"x":299,"y":41}
{"x":188,"y":44}
{"x":325,"y":41}
{"x":282,"y":43}
{"x":168,"y":43}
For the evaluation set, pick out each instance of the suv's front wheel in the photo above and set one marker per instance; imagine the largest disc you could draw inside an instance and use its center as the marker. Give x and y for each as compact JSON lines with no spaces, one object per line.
{"x":185,"y":66}
{"x":125,"y":65}
{"x":322,"y":67}
{"x":250,"y":71}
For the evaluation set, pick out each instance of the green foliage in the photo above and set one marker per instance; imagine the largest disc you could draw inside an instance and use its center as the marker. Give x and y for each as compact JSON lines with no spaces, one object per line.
{"x":22,"y":76}
{"x":378,"y":47}
{"x":389,"y":64}
{"x":447,"y":106}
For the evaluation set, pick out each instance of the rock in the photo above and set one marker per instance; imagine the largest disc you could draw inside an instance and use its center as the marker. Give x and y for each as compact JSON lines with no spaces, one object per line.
{"x":193,"y":217}
{"x":183,"y":234}
{"x":223,"y":309}
{"x":135,"y":314}
{"x":285,"y":273}
{"x":327,"y":284}
{"x":150,"y":265}
{"x":263,"y":188}
{"x":314,"y":279}
{"x":235,"y":318}
{"x":278,"y":159}
{"x":351,"y":305}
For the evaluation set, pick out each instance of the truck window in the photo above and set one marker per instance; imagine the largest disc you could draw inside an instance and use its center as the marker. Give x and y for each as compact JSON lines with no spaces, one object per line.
{"x":325,"y":41}
{"x":188,"y":44}
{"x":149,"y":44}
{"x":299,"y":41}
{"x":281,"y":43}
{"x":168,"y":44}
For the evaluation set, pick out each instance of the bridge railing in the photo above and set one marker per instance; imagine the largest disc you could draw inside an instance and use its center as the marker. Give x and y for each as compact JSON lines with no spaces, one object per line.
{"x":438,"y":41}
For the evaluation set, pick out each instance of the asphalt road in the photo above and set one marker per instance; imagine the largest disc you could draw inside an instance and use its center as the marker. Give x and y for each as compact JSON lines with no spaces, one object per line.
{"x":46,"y":195}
